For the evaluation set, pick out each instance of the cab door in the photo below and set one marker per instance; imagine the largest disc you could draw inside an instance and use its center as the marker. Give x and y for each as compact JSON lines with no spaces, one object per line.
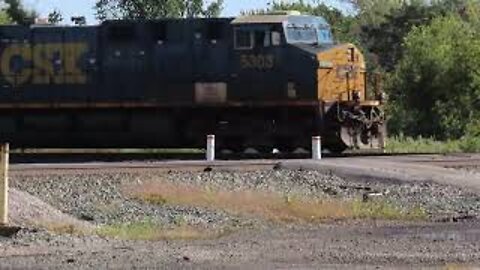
{"x":257,"y":61}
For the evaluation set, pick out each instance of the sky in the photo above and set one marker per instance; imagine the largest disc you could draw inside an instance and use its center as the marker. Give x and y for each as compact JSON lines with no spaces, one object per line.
{"x":71,"y":8}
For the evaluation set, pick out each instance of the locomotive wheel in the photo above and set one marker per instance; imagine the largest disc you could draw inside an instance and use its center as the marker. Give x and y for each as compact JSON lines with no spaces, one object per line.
{"x":234,"y":144}
{"x":264,"y":149}
{"x":337,"y":148}
{"x":285,"y":145}
{"x":334,"y":142}
{"x":259,"y":149}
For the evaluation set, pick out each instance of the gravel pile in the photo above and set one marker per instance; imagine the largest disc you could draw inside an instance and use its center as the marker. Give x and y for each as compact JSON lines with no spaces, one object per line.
{"x":26,"y":210}
{"x":101,"y":198}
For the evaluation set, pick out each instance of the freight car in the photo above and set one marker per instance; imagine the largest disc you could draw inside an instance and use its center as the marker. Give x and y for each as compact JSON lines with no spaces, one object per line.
{"x":260,"y":81}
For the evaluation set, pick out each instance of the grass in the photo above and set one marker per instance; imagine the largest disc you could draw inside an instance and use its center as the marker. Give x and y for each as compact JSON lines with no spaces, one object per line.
{"x":143,"y":230}
{"x":405,"y":145}
{"x":272,"y":206}
{"x":151,"y":231}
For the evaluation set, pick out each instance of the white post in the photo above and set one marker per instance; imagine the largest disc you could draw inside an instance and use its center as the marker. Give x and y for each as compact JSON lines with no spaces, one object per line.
{"x":210,"y":147}
{"x":4,"y":159}
{"x":382,"y":139}
{"x":316,"y":148}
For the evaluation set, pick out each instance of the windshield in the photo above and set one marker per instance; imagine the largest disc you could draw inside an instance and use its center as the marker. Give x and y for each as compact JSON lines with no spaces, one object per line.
{"x":301,"y":34}
{"x":324,"y":35}
{"x":307,"y":30}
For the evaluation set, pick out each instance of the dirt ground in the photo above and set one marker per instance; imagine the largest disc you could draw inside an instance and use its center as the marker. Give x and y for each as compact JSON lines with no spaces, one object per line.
{"x":361,"y":246}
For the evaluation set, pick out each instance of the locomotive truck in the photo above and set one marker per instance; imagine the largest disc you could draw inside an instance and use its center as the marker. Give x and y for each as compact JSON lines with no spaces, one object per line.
{"x":260,"y":81}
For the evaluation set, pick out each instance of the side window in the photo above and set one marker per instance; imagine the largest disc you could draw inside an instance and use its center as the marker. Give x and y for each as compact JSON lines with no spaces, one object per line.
{"x":262,"y":39}
{"x":276,"y":38}
{"x":243,"y":39}
{"x":248,"y":39}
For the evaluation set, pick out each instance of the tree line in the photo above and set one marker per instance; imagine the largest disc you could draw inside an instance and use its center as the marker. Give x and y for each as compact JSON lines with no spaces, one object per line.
{"x":13,"y":11}
{"x":427,"y":50}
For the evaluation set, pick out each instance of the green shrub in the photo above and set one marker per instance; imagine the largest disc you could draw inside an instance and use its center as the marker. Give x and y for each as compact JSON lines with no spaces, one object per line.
{"x":420,"y":145}
{"x":434,"y":89}
{"x":470,"y":144}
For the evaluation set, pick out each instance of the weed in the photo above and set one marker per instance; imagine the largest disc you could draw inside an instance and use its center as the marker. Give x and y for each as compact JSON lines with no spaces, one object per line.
{"x":152,"y":231}
{"x":383,"y":209}
{"x":271,"y":206}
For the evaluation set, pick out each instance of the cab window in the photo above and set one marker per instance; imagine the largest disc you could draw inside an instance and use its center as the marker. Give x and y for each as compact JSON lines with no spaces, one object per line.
{"x":262,"y":38}
{"x":256,"y":38}
{"x":243,"y":39}
{"x":276,"y":38}
{"x":324,"y":35}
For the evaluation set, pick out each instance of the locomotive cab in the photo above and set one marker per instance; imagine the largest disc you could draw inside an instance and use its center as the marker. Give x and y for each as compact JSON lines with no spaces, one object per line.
{"x":292,"y":61}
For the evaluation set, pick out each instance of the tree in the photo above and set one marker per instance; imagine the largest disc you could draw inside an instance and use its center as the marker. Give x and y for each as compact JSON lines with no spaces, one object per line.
{"x":214,"y":9}
{"x":4,"y":18}
{"x":435,"y":88}
{"x":18,"y":14}
{"x":373,"y":12}
{"x":384,"y":40}
{"x":155,"y":9}
{"x":55,"y":17}
{"x":382,"y":25}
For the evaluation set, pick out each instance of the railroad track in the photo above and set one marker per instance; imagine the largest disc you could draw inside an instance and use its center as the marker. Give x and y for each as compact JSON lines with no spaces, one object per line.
{"x":28,"y":161}
{"x":399,"y":167}
{"x":142,"y":166}
{"x":58,"y":155}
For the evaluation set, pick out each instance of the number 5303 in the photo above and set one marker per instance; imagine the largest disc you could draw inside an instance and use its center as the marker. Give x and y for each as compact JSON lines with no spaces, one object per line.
{"x":257,"y":61}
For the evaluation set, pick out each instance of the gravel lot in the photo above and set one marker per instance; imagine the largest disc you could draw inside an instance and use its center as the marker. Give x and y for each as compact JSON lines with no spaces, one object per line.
{"x":101,"y":198}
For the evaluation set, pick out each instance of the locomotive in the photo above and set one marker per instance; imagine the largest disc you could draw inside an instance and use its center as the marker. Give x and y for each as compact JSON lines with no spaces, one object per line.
{"x":260,"y":81}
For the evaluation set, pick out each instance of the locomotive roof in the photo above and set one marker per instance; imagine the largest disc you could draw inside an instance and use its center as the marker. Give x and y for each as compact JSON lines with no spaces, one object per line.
{"x":257,"y":19}
{"x":261,"y":19}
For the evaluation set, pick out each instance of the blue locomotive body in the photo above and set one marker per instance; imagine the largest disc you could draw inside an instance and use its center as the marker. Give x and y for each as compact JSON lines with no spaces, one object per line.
{"x":252,"y":81}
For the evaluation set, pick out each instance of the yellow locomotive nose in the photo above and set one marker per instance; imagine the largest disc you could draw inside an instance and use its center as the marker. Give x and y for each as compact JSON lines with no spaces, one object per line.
{"x":341,"y":74}
{"x":357,"y":122}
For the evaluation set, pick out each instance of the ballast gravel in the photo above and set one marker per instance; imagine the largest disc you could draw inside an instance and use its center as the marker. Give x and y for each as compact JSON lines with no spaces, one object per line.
{"x":101,"y":198}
